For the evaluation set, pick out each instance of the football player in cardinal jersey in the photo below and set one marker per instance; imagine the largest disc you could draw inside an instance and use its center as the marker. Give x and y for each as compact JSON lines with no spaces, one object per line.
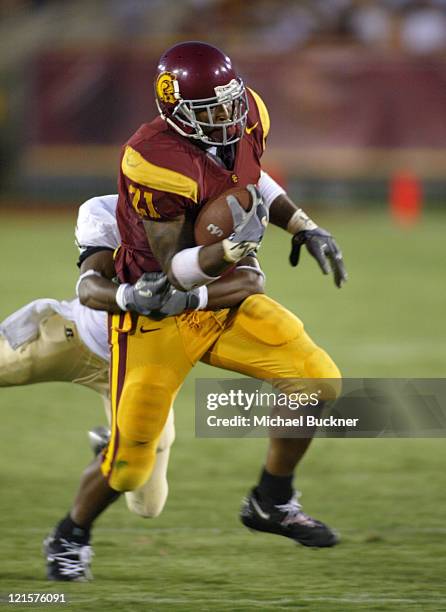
{"x":209,"y":137}
{"x":64,"y":341}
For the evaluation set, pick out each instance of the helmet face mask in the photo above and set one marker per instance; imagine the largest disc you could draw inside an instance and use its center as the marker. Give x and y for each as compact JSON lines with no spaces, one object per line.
{"x":199,"y":115}
{"x":217,"y":119}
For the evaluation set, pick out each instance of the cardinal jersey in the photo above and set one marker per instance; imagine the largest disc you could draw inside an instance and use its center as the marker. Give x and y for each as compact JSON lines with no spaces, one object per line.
{"x":164,"y":175}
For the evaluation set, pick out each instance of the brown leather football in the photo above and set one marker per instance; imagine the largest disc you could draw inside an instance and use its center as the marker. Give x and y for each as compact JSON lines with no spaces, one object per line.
{"x":214,"y":221}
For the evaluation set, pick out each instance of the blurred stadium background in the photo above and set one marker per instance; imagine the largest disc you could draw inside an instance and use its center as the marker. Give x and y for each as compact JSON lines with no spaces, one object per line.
{"x":357,"y":96}
{"x":356,"y":89}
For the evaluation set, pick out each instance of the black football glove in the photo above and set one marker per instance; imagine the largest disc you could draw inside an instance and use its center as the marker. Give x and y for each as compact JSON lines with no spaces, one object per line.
{"x":322,"y":246}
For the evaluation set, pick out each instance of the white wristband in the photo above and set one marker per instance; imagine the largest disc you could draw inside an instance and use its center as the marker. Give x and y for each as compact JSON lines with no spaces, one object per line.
{"x":299,"y":222}
{"x":85,"y":275}
{"x":269,"y":189}
{"x":187,"y":270}
{"x":120,"y":296}
{"x":203,"y":297}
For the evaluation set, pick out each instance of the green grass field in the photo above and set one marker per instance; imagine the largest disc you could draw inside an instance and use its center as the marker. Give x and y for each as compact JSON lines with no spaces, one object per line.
{"x":386,"y":497}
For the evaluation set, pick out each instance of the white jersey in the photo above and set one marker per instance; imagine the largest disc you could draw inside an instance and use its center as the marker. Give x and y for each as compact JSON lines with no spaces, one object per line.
{"x":96,"y":224}
{"x":23,"y":325}
{"x":91,"y":325}
{"x":96,"y":227}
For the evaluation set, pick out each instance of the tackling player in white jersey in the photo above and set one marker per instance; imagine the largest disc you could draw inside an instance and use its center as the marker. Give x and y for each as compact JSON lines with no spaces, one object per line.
{"x":52,"y":341}
{"x":64,"y":341}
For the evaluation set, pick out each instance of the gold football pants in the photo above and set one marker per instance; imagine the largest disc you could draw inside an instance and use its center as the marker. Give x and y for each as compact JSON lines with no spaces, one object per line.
{"x":150,"y":360}
{"x":58,"y":354}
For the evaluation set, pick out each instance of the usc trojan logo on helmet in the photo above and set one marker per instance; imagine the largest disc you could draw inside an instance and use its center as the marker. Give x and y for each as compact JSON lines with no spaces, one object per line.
{"x":167,"y":88}
{"x":192,"y":80}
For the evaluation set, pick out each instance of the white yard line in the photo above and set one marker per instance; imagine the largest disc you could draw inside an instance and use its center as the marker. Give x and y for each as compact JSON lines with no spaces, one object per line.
{"x":260,"y":602}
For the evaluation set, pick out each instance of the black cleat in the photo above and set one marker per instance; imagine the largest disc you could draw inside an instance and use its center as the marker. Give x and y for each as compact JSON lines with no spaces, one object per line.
{"x":286,"y":520}
{"x":98,"y":437}
{"x":67,"y":561}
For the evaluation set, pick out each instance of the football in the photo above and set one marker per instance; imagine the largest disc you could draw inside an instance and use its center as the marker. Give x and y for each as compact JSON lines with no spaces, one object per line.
{"x":214,"y":221}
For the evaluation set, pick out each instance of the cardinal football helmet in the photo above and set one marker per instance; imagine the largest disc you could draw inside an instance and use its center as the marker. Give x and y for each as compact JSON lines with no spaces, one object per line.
{"x":194,"y":78}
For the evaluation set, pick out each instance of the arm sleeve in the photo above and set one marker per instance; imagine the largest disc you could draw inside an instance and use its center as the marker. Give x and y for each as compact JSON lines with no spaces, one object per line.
{"x":269,"y":189}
